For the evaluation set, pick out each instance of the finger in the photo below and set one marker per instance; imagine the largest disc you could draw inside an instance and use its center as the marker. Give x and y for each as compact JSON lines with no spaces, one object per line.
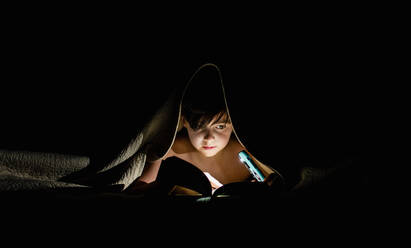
{"x":269,"y":179}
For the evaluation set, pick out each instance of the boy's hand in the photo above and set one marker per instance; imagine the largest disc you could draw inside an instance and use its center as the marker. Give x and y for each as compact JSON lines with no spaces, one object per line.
{"x":138,"y":187}
{"x":269,"y":180}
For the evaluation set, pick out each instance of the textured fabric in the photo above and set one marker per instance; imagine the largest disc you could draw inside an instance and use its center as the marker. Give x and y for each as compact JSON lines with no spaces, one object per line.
{"x":31,"y":170}
{"x":25,"y":170}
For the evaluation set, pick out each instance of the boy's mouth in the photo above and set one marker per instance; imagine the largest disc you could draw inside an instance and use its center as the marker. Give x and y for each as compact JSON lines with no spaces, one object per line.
{"x":208,"y":147}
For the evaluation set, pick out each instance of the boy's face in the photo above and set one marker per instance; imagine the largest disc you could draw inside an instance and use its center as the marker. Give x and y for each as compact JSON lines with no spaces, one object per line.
{"x":212,"y":138}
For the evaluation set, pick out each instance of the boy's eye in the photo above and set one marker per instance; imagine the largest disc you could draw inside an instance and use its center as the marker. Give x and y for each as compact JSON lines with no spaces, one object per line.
{"x":220,"y":126}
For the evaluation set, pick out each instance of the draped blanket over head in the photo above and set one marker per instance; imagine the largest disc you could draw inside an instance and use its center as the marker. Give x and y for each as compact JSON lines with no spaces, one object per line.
{"x":25,"y":170}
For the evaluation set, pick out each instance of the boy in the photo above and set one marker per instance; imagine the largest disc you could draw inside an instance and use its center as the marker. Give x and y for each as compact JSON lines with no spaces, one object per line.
{"x":205,"y":137}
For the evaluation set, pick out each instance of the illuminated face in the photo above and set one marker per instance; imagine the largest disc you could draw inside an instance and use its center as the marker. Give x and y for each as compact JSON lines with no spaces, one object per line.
{"x":211,"y":139}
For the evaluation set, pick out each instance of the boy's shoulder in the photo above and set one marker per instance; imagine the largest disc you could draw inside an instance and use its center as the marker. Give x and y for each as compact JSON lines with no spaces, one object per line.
{"x":180,"y":146}
{"x":234,"y":145}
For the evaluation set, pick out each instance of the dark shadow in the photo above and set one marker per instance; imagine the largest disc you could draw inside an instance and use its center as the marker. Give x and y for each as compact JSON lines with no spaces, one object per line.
{"x":174,"y":171}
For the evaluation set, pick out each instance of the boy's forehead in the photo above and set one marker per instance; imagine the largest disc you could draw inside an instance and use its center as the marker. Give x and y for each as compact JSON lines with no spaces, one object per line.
{"x":220,"y":119}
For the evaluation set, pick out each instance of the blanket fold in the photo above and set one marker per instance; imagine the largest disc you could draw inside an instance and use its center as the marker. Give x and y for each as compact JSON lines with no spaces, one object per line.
{"x":31,"y":170}
{"x":27,"y":170}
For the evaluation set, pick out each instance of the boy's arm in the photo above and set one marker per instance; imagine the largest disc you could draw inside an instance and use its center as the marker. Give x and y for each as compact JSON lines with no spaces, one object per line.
{"x":151,"y":168}
{"x":150,"y":171}
{"x":147,"y":180}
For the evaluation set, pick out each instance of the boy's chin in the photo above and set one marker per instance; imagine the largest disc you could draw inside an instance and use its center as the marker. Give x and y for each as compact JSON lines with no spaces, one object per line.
{"x":209,"y":153}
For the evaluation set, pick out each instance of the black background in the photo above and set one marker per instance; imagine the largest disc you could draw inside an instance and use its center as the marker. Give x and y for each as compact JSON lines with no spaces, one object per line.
{"x":83,"y":79}
{"x":84,"y":84}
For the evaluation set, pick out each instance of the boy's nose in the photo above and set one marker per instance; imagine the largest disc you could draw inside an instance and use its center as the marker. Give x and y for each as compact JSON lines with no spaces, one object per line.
{"x":208,"y":136}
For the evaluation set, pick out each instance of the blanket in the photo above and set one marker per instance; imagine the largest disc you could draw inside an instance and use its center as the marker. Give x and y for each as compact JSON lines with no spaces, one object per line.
{"x":279,"y":133}
{"x":27,"y":170}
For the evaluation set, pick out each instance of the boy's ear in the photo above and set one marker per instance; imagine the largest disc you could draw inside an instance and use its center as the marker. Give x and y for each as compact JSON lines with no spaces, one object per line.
{"x":181,"y":123}
{"x":185,"y":123}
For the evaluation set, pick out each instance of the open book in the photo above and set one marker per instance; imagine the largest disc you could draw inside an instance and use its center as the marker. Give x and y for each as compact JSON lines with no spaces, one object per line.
{"x":215,"y":184}
{"x":185,"y":179}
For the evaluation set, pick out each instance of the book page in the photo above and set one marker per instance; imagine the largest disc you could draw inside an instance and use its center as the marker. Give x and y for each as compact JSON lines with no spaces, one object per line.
{"x":215,"y":184}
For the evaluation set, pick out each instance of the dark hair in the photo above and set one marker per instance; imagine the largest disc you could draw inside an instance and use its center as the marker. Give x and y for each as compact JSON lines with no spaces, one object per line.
{"x":204,"y":99}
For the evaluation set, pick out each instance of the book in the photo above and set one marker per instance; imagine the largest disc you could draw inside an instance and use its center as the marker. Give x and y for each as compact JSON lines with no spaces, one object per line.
{"x":184,"y":179}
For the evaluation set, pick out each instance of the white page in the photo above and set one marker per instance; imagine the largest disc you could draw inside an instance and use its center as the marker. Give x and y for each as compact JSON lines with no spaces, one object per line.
{"x":214,"y":182}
